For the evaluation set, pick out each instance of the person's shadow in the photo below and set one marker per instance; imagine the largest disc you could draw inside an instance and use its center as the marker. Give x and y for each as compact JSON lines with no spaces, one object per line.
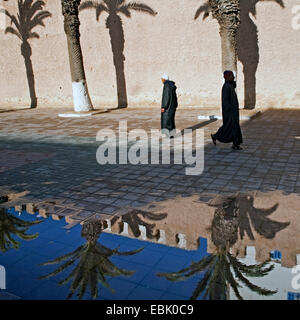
{"x":115,"y":26}
{"x":30,"y":15}
{"x":247,"y":45}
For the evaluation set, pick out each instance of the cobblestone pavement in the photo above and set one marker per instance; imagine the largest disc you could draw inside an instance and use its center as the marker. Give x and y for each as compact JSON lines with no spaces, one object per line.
{"x":54,"y":158}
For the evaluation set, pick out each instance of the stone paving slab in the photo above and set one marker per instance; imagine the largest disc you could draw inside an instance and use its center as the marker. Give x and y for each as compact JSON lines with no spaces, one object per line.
{"x":45,"y":122}
{"x":63,"y":165}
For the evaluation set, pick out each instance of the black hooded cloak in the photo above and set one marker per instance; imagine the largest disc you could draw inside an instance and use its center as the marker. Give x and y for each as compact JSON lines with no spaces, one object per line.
{"x":230,"y":131}
{"x":169,"y":103}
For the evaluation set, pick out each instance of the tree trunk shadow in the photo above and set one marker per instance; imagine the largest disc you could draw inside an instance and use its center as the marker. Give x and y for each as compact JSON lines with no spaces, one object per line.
{"x":26,"y":53}
{"x":248,"y":54}
{"x":116,"y":32}
{"x":248,"y":49}
{"x":30,"y":15}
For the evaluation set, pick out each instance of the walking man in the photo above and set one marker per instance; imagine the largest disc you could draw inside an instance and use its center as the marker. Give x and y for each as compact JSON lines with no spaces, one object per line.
{"x":168,"y":107}
{"x":230,"y":131}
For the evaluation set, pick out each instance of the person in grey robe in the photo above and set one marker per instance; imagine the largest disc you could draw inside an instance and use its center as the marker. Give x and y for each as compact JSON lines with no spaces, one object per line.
{"x":230,"y":131}
{"x":168,"y":107}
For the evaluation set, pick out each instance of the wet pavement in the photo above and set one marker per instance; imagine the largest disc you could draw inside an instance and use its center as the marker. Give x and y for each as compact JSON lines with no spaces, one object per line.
{"x":49,"y":170}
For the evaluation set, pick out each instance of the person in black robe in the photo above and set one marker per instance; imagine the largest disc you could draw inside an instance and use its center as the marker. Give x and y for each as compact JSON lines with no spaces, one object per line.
{"x":230,"y":131}
{"x":168,"y":107}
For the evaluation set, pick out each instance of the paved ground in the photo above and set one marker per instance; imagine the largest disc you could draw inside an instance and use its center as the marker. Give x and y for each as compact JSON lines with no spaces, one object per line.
{"x":51,"y":163}
{"x":54,"y":158}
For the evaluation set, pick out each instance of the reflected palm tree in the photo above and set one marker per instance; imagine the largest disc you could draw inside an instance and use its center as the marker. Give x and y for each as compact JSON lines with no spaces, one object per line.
{"x":30,"y":15}
{"x":247,"y":44}
{"x":135,"y":218}
{"x":221,"y":270}
{"x":92,"y":263}
{"x":116,"y":32}
{"x":12,"y":227}
{"x":242,"y":206}
{"x":3,"y":199}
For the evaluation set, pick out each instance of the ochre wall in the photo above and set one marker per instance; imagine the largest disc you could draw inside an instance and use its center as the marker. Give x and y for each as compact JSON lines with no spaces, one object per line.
{"x":172,"y":42}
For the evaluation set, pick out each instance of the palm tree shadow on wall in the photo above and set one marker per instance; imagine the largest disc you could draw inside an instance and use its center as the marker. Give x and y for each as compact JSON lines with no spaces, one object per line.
{"x":115,"y":26}
{"x":247,"y":45}
{"x":248,"y":49}
{"x":30,"y":15}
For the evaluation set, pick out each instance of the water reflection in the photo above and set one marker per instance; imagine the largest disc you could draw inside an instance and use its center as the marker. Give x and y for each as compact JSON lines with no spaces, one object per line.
{"x":92,"y":263}
{"x":242,"y":207}
{"x":11,"y":228}
{"x":222,"y":270}
{"x":138,"y":218}
{"x":89,"y":261}
{"x":219,"y":271}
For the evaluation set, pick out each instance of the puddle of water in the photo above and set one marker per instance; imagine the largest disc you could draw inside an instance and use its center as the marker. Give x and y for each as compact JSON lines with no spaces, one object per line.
{"x":129,"y":276}
{"x":94,"y":264}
